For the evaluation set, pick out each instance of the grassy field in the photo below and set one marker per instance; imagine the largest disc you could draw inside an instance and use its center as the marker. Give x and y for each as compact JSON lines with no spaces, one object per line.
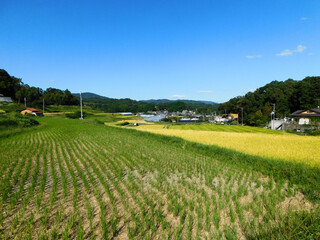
{"x":78,"y":179}
{"x":250,"y":140}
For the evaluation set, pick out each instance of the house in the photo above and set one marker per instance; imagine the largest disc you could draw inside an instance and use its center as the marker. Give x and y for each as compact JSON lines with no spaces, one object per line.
{"x":219,"y":119}
{"x":233,"y":116}
{"x":5,"y":99}
{"x":32,"y":111}
{"x":306,"y":116}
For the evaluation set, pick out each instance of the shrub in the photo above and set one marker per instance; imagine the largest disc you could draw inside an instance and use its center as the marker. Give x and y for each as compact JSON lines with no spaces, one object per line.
{"x":17,"y":120}
{"x":313,"y":133}
{"x":8,"y":122}
{"x":166,"y":120}
{"x":76,"y":115}
{"x":123,"y":124}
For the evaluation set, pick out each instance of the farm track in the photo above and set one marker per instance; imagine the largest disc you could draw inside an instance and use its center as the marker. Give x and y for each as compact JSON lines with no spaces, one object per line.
{"x":78,"y":180}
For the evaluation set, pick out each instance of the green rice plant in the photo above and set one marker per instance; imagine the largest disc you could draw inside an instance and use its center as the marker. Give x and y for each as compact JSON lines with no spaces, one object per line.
{"x":159,"y":187}
{"x":216,"y":218}
{"x":230,"y":233}
{"x":190,"y":226}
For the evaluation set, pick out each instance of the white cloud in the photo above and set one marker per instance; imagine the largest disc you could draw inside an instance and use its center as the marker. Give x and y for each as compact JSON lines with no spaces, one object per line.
{"x":303,"y":18}
{"x":178,"y":96}
{"x":287,"y":52}
{"x":205,"y":91}
{"x":51,"y":80}
{"x":254,"y":56}
{"x":301,"y":48}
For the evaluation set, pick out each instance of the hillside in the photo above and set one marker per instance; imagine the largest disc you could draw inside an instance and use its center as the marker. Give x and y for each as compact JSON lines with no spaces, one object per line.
{"x":128,"y":105}
{"x":88,"y":95}
{"x":288,"y":96}
{"x":13,"y":87}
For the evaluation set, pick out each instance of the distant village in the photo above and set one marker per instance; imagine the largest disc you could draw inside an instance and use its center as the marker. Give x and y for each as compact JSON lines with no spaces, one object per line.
{"x":299,"y":120}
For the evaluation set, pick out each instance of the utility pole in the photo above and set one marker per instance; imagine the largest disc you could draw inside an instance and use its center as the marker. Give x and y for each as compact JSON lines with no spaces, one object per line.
{"x":81,"y":115}
{"x":43,"y":105}
{"x":274,"y":116}
{"x":25,"y":102}
{"x":318,"y":100}
{"x":242,"y":116}
{"x":274,"y":110}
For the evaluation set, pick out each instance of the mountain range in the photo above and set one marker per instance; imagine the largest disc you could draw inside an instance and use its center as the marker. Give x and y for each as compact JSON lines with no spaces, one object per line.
{"x":91,"y":96}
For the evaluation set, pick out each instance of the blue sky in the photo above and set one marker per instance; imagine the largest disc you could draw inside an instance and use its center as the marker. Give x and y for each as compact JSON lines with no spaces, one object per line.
{"x":202,"y":50}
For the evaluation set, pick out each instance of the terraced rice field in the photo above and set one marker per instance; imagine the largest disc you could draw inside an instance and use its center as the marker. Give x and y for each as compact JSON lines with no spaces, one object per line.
{"x":76,"y":180}
{"x":255,"y":141}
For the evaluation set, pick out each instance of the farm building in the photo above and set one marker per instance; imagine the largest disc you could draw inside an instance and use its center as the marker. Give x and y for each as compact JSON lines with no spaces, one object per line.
{"x":306,"y":116}
{"x":126,"y":113}
{"x":189,"y":120}
{"x":32,"y":111}
{"x":5,"y":99}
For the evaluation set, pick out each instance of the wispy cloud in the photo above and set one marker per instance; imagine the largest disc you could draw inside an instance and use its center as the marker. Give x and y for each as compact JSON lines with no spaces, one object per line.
{"x":253,"y":56}
{"x":303,"y":18}
{"x":287,"y":52}
{"x":311,"y":54}
{"x":205,"y":91}
{"x":178,"y":96}
{"x":51,"y":80}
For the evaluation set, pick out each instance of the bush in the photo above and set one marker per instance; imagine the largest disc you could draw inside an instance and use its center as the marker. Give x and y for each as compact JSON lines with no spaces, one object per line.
{"x":76,"y":115}
{"x":313,"y":133}
{"x":123,"y":124}
{"x":166,"y":120}
{"x":17,"y":120}
{"x":8,"y":122}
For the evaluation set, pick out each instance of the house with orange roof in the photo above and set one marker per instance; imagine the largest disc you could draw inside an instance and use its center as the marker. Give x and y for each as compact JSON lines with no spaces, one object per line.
{"x":32,"y":111}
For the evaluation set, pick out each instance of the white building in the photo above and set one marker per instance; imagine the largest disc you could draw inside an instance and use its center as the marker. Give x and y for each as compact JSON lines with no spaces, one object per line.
{"x":5,"y":99}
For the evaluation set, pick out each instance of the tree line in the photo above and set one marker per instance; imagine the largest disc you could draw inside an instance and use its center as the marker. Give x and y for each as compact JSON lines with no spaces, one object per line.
{"x":288,"y":96}
{"x":13,"y":87}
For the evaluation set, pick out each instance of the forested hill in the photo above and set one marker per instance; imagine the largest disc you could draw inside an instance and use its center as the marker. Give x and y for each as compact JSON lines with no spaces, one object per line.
{"x":288,"y":96}
{"x":13,"y":87}
{"x":88,"y":95}
{"x":128,"y":105}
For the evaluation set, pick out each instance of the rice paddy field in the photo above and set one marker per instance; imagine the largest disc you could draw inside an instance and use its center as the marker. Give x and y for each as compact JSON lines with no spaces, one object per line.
{"x":72,"y":179}
{"x":250,"y":140}
{"x":224,"y":128}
